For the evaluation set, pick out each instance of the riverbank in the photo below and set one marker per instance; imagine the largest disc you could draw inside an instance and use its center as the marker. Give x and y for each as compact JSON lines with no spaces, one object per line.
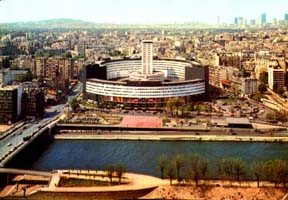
{"x":139,"y":186}
{"x":162,"y":137}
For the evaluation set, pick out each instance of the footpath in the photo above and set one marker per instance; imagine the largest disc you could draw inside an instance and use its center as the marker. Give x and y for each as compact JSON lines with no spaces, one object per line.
{"x":176,"y":137}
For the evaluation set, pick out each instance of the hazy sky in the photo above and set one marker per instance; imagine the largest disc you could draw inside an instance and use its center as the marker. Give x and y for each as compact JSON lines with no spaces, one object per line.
{"x":141,"y":11}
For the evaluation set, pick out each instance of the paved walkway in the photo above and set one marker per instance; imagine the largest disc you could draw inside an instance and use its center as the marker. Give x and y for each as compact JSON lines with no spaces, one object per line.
{"x":137,"y":182}
{"x":178,"y":137}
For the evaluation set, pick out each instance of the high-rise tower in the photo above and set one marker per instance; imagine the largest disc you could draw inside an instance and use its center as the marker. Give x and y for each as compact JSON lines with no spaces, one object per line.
{"x":263,"y":18}
{"x":147,"y":57}
{"x":286,"y":17}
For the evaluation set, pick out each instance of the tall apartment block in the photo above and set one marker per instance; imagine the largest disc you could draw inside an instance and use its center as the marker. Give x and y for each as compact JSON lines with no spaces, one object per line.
{"x":147,"y":57}
{"x":52,"y":68}
{"x":276,"y":76}
{"x":10,"y":104}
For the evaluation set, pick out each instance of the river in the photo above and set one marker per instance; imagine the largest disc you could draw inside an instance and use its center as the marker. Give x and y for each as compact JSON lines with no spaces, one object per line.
{"x":141,"y":156}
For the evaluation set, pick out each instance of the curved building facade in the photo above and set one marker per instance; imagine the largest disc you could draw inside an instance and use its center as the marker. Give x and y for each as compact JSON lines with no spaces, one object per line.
{"x":109,"y":82}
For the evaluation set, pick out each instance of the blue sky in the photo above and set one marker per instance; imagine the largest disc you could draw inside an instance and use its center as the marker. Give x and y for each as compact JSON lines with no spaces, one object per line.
{"x":141,"y":11}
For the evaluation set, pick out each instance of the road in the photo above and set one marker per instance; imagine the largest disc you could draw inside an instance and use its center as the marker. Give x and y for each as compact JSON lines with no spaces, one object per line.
{"x":14,"y":140}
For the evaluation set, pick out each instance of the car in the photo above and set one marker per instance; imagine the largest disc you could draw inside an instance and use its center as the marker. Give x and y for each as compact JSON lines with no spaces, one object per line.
{"x":9,"y":144}
{"x":19,"y":133}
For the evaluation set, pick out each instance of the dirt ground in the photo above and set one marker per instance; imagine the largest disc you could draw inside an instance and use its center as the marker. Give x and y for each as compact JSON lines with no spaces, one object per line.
{"x":216,"y":193}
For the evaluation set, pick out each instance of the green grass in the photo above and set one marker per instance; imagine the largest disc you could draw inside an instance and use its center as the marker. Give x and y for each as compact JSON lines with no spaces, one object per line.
{"x":73,"y":182}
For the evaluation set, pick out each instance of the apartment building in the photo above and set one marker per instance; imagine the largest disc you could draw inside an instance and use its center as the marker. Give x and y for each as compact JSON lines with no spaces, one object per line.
{"x":10,"y":104}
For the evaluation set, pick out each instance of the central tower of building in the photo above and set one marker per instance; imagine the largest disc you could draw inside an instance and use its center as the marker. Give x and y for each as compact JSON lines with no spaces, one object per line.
{"x":147,"y":73}
{"x":147,"y":57}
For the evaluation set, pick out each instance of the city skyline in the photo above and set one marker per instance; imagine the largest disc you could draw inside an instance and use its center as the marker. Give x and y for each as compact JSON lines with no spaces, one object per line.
{"x":141,"y":12}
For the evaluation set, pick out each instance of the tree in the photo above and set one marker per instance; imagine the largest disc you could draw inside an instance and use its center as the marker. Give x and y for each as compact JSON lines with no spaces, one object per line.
{"x":264,"y":77}
{"x":14,"y":67}
{"x":27,"y":77}
{"x":170,"y":171}
{"x":279,"y":90}
{"x":110,"y":171}
{"x":120,"y":170}
{"x":179,"y":163}
{"x":177,"y":103}
{"x":262,"y":88}
{"x":74,"y":104}
{"x":276,"y":171}
{"x":270,"y":171}
{"x":170,"y":106}
{"x":258,"y":171}
{"x":67,"y":54}
{"x":238,"y":168}
{"x":283,"y":172}
{"x":204,"y":168}
{"x":227,"y":167}
{"x":198,"y":167}
{"x":38,"y":54}
{"x":162,"y":163}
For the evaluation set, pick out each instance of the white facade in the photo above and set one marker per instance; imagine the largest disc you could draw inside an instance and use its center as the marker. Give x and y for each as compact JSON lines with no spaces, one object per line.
{"x":121,"y":90}
{"x":147,"y":57}
{"x":172,"y":69}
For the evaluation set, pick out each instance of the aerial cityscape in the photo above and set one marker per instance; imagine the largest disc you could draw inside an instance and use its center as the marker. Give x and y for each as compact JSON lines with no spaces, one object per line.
{"x":143,"y":99}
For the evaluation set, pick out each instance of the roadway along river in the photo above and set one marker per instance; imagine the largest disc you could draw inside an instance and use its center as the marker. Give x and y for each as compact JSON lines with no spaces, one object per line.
{"x":141,"y":156}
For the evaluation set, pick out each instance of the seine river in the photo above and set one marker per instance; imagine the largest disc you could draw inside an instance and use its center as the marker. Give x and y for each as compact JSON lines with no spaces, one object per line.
{"x":142,"y":156}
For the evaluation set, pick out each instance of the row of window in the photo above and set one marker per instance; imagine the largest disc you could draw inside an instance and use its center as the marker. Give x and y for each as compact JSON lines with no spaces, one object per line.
{"x":145,"y":92}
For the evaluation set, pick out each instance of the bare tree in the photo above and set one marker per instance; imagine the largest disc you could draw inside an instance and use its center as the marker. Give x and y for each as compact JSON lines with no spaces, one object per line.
{"x":258,"y":171}
{"x":170,"y":172}
{"x":179,"y":163}
{"x":110,"y":169}
{"x":198,"y":166}
{"x":120,"y":170}
{"x":227,"y":167}
{"x":271,"y":168}
{"x":162,"y":164}
{"x":282,"y":172}
{"x":194,"y":165}
{"x":238,"y":168}
{"x":203,"y":168}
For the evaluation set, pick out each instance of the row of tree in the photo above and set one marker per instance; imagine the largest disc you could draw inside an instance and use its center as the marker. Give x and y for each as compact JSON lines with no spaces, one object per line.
{"x":195,"y":167}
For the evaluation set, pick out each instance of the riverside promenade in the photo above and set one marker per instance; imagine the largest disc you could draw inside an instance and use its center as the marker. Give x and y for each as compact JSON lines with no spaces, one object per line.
{"x":176,"y":136}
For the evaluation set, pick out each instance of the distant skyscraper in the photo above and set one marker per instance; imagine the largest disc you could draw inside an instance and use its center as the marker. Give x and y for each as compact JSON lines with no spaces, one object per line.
{"x":241,"y":21}
{"x":253,"y":22}
{"x":263,"y":18}
{"x":236,"y":20}
{"x":218,"y":20}
{"x":286,"y":17}
{"x":147,"y":57}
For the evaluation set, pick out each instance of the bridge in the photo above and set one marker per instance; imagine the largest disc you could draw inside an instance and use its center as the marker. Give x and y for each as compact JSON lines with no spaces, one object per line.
{"x":19,"y":139}
{"x":23,"y":133}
